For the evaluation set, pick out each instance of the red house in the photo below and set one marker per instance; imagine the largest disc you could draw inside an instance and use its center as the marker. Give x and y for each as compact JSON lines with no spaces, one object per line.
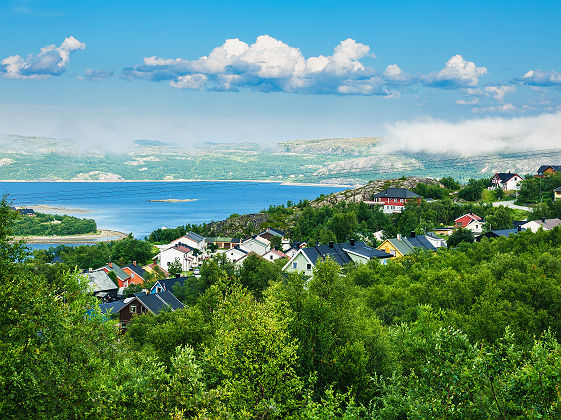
{"x":394,"y":200}
{"x":470,"y":221}
{"x":136,"y":274}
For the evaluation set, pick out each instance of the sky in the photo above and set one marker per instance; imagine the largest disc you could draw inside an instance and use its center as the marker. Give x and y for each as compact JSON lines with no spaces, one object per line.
{"x":426,"y":75}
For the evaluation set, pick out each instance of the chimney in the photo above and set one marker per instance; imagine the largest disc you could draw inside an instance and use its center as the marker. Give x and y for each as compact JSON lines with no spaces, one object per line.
{"x":110,"y":264}
{"x":352,"y":242}
{"x":331,"y":244}
{"x":134,"y":263}
{"x":399,"y":236}
{"x":412,"y":233}
{"x":177,"y":275}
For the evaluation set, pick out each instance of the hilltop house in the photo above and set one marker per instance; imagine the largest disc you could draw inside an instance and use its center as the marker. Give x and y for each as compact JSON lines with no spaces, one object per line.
{"x":393,"y":200}
{"x":546,"y":170}
{"x":506,"y":181}
{"x":405,"y":245}
{"x":545,"y":224}
{"x":470,"y":221}
{"x":306,"y":258}
{"x":141,"y":303}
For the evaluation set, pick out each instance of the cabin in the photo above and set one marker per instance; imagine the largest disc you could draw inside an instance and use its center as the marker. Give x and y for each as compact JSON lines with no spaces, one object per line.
{"x":141,"y":303}
{"x":306,"y":258}
{"x":545,"y":224}
{"x":546,"y":170}
{"x":506,"y":181}
{"x":470,"y":221}
{"x":393,"y":200}
{"x":406,"y":245}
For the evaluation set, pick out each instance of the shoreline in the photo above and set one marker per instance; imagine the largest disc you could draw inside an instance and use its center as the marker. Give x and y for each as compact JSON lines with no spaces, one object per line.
{"x":297,"y":184}
{"x":103,"y":235}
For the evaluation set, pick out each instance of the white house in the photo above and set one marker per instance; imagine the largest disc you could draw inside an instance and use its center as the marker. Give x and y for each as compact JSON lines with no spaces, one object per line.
{"x":274,"y":255}
{"x":190,"y":239}
{"x":259,"y":246}
{"x":234,"y":254}
{"x":435,"y":240}
{"x":182,"y":253}
{"x":545,"y":224}
{"x":506,"y":181}
{"x":470,"y":221}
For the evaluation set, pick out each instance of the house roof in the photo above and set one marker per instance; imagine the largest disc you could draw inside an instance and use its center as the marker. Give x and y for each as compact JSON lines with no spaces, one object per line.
{"x":505,"y":176}
{"x":167,"y":284}
{"x":195,"y":237}
{"x":558,"y":189}
{"x":501,"y":232}
{"x":156,"y":302}
{"x":137,"y":269}
{"x":406,"y":245}
{"x":277,"y":252}
{"x":154,"y":268}
{"x":547,"y":224}
{"x":542,"y":169}
{"x":181,"y":247}
{"x":339,"y":252}
{"x":473,"y":216}
{"x":273,"y":232}
{"x":237,"y":248}
{"x":396,"y":193}
{"x":111,"y":307}
{"x":99,"y":281}
{"x":119,"y":272}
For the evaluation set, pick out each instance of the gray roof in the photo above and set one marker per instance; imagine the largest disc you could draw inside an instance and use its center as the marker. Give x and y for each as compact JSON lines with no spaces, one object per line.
{"x":500,"y":232}
{"x":195,"y":237}
{"x":407,"y":244}
{"x":504,"y":176}
{"x":547,"y":224}
{"x":119,"y":272}
{"x":167,"y":284}
{"x":338,"y":252}
{"x":156,"y":302}
{"x":111,"y":307}
{"x":396,"y":193}
{"x":99,"y":281}
{"x":137,"y":269}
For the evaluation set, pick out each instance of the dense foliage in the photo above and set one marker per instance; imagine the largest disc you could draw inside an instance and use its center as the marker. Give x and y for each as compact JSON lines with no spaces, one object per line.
{"x":52,"y":224}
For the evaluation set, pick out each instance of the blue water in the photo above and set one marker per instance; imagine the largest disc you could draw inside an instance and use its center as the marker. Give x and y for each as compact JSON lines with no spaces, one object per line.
{"x":124,"y":206}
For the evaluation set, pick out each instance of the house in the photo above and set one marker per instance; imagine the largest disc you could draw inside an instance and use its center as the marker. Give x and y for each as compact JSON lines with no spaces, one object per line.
{"x":122,"y":276}
{"x":444,"y":230}
{"x":235,"y":254}
{"x":546,"y":170}
{"x":141,"y":303}
{"x":111,"y":308}
{"x":306,"y":258}
{"x":101,"y":285}
{"x":136,"y":274}
{"x":271,"y":233}
{"x":406,"y":245}
{"x":435,"y":240}
{"x":545,"y":224}
{"x":393,"y":200}
{"x":258,"y":245}
{"x":166,"y":285}
{"x":274,"y":255}
{"x":223,"y":242}
{"x":557,"y":193}
{"x":191,"y":239}
{"x":506,"y":181}
{"x":500,"y":232}
{"x":181,"y":252}
{"x":155,"y":269}
{"x":294,"y":248}
{"x":470,"y":221}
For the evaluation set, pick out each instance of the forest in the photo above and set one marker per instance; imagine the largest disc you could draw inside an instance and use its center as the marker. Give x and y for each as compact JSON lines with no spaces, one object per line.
{"x":468,"y":332}
{"x":52,"y":224}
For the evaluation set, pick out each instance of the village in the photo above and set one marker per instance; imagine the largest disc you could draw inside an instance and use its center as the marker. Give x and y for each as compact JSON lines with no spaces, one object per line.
{"x":180,"y":260}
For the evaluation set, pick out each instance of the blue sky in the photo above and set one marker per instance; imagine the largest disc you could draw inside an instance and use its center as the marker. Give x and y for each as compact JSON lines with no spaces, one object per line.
{"x":106,"y":72}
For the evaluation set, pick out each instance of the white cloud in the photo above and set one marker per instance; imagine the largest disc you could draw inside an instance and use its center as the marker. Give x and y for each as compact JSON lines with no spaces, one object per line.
{"x":269,"y":65}
{"x":394,"y":73}
{"x":473,"y":101}
{"x":492,"y":109}
{"x":96,"y":75}
{"x":457,"y":72}
{"x":50,"y":61}
{"x":499,"y":92}
{"x":542,"y":78}
{"x":477,"y":136}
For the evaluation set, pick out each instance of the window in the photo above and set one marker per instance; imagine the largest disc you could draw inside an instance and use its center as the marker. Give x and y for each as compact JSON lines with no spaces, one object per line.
{"x":308,"y":266}
{"x":294,"y":265}
{"x":169,"y":262}
{"x":271,"y":257}
{"x":143,"y":310}
{"x":133,"y":309}
{"x":392,"y":252}
{"x":158,"y":289}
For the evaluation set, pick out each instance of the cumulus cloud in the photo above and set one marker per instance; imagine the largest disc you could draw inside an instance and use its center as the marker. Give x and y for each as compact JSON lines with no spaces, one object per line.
{"x":457,"y":72}
{"x":499,"y":92}
{"x":498,"y":108}
{"x":477,"y":136}
{"x":270,"y":65}
{"x":394,"y":74}
{"x":93,"y":74}
{"x":541,"y":78}
{"x":50,"y":61}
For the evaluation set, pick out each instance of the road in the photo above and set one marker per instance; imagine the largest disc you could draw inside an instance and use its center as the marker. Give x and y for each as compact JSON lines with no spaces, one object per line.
{"x":511,"y":205}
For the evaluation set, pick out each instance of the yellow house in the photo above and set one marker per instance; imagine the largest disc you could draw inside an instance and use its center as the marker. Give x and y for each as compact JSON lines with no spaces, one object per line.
{"x":390,"y":248}
{"x":557,"y":192}
{"x":400,"y":246}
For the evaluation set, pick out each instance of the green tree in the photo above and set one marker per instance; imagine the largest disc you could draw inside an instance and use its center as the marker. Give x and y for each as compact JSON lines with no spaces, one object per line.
{"x":460,"y":235}
{"x":175,"y":268}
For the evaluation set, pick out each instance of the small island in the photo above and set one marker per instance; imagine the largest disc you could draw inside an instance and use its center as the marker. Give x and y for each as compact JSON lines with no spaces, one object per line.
{"x":173,"y":200}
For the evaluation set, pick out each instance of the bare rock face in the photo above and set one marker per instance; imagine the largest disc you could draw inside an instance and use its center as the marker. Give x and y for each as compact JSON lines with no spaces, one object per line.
{"x":98,"y":176}
{"x":238,"y":224}
{"x":365,"y":192}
